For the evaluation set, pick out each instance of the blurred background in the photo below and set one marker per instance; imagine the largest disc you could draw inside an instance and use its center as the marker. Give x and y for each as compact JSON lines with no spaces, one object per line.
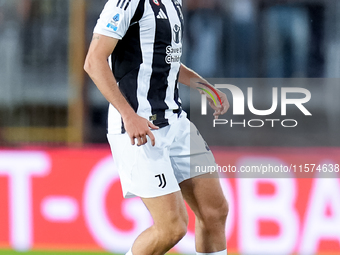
{"x":45,"y":97}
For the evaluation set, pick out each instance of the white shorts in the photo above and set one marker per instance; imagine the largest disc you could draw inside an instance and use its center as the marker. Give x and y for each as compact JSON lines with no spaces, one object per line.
{"x":148,"y":171}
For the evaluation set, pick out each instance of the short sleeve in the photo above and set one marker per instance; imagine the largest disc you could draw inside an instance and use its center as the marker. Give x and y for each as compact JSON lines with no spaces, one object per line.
{"x":116,"y":17}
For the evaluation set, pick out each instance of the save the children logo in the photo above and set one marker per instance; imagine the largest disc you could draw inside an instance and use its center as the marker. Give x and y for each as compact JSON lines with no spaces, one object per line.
{"x":173,"y":54}
{"x":238,"y":104}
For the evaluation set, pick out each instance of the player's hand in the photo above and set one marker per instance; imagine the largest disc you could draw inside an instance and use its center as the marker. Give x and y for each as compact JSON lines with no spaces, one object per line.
{"x":219,"y":109}
{"x":138,"y":128}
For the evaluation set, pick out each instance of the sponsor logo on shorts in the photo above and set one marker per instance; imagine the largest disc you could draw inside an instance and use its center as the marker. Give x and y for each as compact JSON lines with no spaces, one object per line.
{"x":162,"y":180}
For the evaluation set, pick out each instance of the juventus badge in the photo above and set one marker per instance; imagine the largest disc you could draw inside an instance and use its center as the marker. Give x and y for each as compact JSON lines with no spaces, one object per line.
{"x":162,"y":181}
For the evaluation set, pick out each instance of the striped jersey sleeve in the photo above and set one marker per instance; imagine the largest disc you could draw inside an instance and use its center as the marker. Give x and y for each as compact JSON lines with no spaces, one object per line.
{"x":115,"y":19}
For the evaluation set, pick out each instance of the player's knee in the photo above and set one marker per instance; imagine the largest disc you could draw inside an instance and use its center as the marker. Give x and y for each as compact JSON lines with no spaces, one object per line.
{"x":175,"y":231}
{"x":178,"y":232}
{"x":224,"y":210}
{"x":217,"y":215}
{"x":179,"y":229}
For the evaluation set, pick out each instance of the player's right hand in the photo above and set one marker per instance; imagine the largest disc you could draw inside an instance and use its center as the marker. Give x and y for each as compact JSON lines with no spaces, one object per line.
{"x":138,"y":128}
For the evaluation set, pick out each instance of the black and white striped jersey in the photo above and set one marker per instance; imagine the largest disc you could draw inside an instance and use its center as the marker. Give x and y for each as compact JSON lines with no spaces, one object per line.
{"x":146,"y":60}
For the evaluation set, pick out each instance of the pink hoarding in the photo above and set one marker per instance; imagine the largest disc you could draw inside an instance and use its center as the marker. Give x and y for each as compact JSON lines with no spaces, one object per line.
{"x":62,"y":198}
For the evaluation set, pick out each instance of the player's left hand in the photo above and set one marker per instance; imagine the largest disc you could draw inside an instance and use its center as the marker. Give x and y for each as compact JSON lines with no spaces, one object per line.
{"x":219,"y":109}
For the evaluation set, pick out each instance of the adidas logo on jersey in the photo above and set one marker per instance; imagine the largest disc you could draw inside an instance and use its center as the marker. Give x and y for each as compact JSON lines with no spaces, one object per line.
{"x":161,"y":15}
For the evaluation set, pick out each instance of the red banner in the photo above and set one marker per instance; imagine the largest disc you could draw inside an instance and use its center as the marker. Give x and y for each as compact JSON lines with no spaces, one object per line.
{"x":71,"y":199}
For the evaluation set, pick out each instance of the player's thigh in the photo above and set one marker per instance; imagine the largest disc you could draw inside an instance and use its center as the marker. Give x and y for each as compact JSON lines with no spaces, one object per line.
{"x":205,"y":196}
{"x":168,"y":210}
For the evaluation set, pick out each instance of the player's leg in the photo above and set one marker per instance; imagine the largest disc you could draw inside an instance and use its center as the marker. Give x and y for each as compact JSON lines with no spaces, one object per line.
{"x":203,"y":194}
{"x":205,"y":197}
{"x":170,"y":224}
{"x":147,"y":172}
